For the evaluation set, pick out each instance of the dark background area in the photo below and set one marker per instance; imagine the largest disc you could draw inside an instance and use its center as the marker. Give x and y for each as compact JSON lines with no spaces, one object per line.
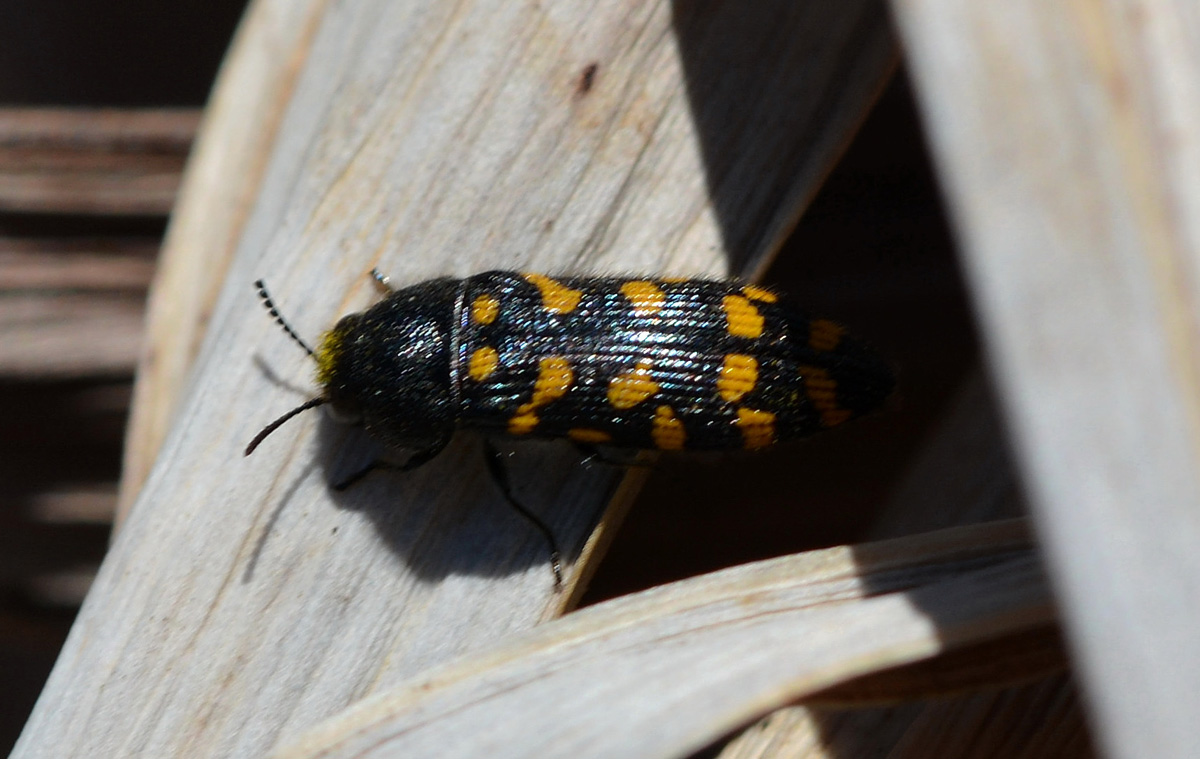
{"x":121,"y":53}
{"x":872,"y":252}
{"x":60,"y":433}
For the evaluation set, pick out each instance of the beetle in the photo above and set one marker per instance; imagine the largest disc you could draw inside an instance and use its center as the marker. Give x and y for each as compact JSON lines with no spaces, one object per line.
{"x":622,"y":362}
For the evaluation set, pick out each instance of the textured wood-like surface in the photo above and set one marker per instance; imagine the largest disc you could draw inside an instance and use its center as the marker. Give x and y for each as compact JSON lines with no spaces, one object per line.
{"x":1068,"y":136}
{"x":962,"y":475}
{"x":219,"y":189}
{"x":92,"y":161}
{"x":1040,"y":720}
{"x":241,"y":601}
{"x":71,"y":308}
{"x":667,"y":671}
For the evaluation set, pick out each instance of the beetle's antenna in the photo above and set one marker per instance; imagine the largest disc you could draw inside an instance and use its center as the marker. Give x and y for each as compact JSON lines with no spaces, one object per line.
{"x":279,"y":422}
{"x":270,"y":305}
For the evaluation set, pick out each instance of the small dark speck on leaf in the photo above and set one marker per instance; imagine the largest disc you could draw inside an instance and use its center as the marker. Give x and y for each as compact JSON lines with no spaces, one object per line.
{"x":587,"y":78}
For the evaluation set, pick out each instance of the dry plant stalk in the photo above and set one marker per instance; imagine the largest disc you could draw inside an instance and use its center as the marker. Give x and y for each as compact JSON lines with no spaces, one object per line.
{"x":1068,"y":137}
{"x":92,"y":161}
{"x":671,"y":669}
{"x":223,"y":179}
{"x":71,"y":308}
{"x":239,"y":604}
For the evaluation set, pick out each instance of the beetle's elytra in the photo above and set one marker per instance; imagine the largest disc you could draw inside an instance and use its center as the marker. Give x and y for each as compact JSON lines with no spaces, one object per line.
{"x":667,"y":364}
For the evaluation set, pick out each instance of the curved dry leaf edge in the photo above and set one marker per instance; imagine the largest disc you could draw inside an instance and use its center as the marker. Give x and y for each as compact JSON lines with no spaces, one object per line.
{"x":1009,"y":660}
{"x":668,"y":670}
{"x":219,"y":186}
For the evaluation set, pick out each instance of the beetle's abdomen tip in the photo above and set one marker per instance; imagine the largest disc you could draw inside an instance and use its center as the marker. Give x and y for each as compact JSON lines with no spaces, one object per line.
{"x":862,"y":380}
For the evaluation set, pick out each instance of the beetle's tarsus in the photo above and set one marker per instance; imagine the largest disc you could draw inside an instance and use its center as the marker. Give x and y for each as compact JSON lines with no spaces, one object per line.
{"x":500,"y":477}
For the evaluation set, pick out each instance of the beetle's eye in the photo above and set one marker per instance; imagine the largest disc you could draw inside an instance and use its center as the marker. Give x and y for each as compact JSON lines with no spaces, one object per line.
{"x":344,"y":412}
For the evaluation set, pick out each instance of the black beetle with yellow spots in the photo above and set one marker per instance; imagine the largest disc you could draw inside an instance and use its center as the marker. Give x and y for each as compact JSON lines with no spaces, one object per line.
{"x":666,"y":364}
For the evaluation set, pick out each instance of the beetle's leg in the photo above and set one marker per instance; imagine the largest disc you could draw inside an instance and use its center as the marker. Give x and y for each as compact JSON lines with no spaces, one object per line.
{"x":417,"y":459}
{"x":384,"y":282}
{"x":500,"y":477}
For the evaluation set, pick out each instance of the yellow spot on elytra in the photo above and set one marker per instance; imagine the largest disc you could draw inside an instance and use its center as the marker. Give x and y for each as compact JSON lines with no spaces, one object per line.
{"x":758,"y":428}
{"x":821,"y":390}
{"x":557,"y":298}
{"x":754,"y":292}
{"x":738,"y":376}
{"x":483,"y":362}
{"x":553,"y":380}
{"x":741,"y":317}
{"x":667,"y":431}
{"x":332,"y":343}
{"x":522,"y":424}
{"x":631,"y":388}
{"x":824,"y":335}
{"x":585,"y":435}
{"x":485,"y":309}
{"x":645,"y":296}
